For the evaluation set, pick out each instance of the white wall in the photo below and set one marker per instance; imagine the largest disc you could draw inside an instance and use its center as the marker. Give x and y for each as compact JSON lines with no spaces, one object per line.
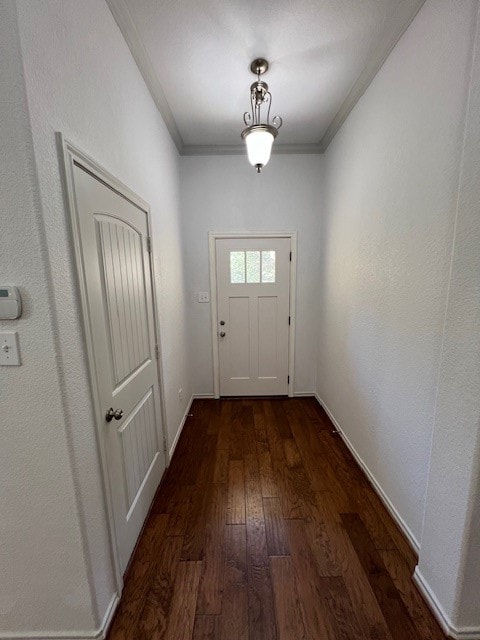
{"x":389,"y":209}
{"x":81,"y":80}
{"x":225,"y":194}
{"x":44,"y":582}
{"x":449,"y":567}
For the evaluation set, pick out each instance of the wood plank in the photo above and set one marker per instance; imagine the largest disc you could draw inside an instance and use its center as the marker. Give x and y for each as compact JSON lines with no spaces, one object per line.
{"x":287,"y":604}
{"x":292,"y":455}
{"x":348,"y":574}
{"x":401,"y":574}
{"x":236,"y":431}
{"x":233,"y":621}
{"x":194,"y":537}
{"x":316,"y":463}
{"x":178,"y":510}
{"x":259,"y":422}
{"x":395,"y":535}
{"x":261,"y":615}
{"x":319,"y":536}
{"x":292,"y":482}
{"x":339,"y":558}
{"x":277,"y":537}
{"x":213,"y":409}
{"x":206,"y":628}
{"x":236,"y":493}
{"x":137,"y":580}
{"x":307,"y":581}
{"x":223,"y":441}
{"x":220,"y":471}
{"x":393,"y":608}
{"x":182,"y":614}
{"x":153,"y":620}
{"x":211,"y":583}
{"x":339,"y":614}
{"x":281,"y":421}
{"x":267,"y":480}
{"x":326,"y":606}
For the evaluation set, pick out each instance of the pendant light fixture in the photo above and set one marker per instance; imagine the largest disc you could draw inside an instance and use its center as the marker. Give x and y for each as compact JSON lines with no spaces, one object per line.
{"x":259,"y":136}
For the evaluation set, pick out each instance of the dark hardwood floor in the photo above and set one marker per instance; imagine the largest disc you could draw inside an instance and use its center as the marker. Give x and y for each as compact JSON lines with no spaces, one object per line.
{"x":265,"y":528}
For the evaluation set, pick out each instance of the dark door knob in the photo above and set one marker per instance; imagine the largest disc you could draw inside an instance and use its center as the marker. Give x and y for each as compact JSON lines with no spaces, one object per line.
{"x":112,"y":413}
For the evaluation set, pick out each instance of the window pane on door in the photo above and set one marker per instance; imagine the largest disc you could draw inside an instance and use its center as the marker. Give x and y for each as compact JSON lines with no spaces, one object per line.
{"x":237,"y":267}
{"x":253,"y":267}
{"x":268,"y":266}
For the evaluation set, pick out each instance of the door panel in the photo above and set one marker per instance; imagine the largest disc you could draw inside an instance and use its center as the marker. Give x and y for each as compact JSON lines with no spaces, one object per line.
{"x":239,"y":343}
{"x":121,"y":254}
{"x":113,"y":235}
{"x":253,"y":302}
{"x":139,"y":440}
{"x":267,"y":336}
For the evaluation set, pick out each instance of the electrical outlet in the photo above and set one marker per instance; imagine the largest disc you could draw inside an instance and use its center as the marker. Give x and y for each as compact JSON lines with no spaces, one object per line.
{"x":203,"y":296}
{"x":180,"y":395}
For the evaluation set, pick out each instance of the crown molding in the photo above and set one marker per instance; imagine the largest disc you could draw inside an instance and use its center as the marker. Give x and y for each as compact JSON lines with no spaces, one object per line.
{"x":239,"y":149}
{"x":396,"y":27}
{"x":399,"y":23}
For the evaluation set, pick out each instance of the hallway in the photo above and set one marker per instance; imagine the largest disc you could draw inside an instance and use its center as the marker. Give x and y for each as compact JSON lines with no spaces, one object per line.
{"x":264,"y":527}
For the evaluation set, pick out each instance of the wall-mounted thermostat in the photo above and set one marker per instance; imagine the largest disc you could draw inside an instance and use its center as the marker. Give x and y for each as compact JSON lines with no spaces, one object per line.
{"x":10,"y":303}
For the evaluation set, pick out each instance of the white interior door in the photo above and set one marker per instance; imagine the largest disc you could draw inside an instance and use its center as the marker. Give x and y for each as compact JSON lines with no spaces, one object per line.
{"x":253,"y":303}
{"x":113,"y":237}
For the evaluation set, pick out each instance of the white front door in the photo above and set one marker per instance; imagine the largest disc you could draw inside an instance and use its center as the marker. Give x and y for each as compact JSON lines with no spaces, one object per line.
{"x":253,"y":303}
{"x":113,"y":237}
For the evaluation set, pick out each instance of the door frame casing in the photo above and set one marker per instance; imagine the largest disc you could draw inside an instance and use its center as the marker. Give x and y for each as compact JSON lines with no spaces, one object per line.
{"x":212,"y":238}
{"x":69,"y":155}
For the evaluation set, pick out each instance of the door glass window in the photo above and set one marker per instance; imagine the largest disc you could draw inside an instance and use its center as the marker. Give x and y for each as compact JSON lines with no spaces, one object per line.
{"x":237,"y":267}
{"x":252,"y":267}
{"x":268,"y":266}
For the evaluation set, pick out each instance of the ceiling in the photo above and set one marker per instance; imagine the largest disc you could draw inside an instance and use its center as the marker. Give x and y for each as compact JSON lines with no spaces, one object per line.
{"x":195,"y":57}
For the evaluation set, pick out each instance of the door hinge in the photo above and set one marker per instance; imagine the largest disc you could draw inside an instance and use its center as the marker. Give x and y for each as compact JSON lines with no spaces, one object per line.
{"x":157,"y":351}
{"x":149,"y":244}
{"x":290,"y":256}
{"x":288,"y":379}
{"x":289,"y":320}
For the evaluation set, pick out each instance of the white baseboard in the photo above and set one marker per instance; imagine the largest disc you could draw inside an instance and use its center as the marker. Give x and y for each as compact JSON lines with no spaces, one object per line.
{"x":100,"y":634}
{"x":304,"y":394}
{"x":462,"y":633}
{"x":180,"y":429}
{"x":373,"y":481}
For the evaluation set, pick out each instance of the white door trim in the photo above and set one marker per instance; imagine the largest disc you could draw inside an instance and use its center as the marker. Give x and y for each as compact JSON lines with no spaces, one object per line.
{"x":212,"y":238}
{"x":70,"y":155}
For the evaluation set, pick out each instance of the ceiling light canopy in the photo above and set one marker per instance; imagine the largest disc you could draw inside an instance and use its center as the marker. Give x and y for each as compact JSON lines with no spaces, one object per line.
{"x":259,"y":136}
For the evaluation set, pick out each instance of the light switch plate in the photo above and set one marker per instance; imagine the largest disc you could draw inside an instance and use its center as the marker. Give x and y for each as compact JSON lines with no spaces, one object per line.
{"x":203,"y":296}
{"x":9,"y":351}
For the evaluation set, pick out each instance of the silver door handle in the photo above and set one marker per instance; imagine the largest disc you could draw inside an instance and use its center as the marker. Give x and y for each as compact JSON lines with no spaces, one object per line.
{"x":222,"y":334}
{"x":112,"y":413}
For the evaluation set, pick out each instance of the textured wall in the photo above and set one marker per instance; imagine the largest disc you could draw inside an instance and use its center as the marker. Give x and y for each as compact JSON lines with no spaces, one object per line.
{"x":43,"y":583}
{"x":80,"y":80}
{"x":224,"y":194}
{"x":450,"y":558}
{"x":390,"y":193}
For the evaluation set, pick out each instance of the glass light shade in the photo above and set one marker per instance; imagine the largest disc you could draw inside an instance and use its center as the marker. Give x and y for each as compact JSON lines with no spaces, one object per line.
{"x":259,"y":146}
